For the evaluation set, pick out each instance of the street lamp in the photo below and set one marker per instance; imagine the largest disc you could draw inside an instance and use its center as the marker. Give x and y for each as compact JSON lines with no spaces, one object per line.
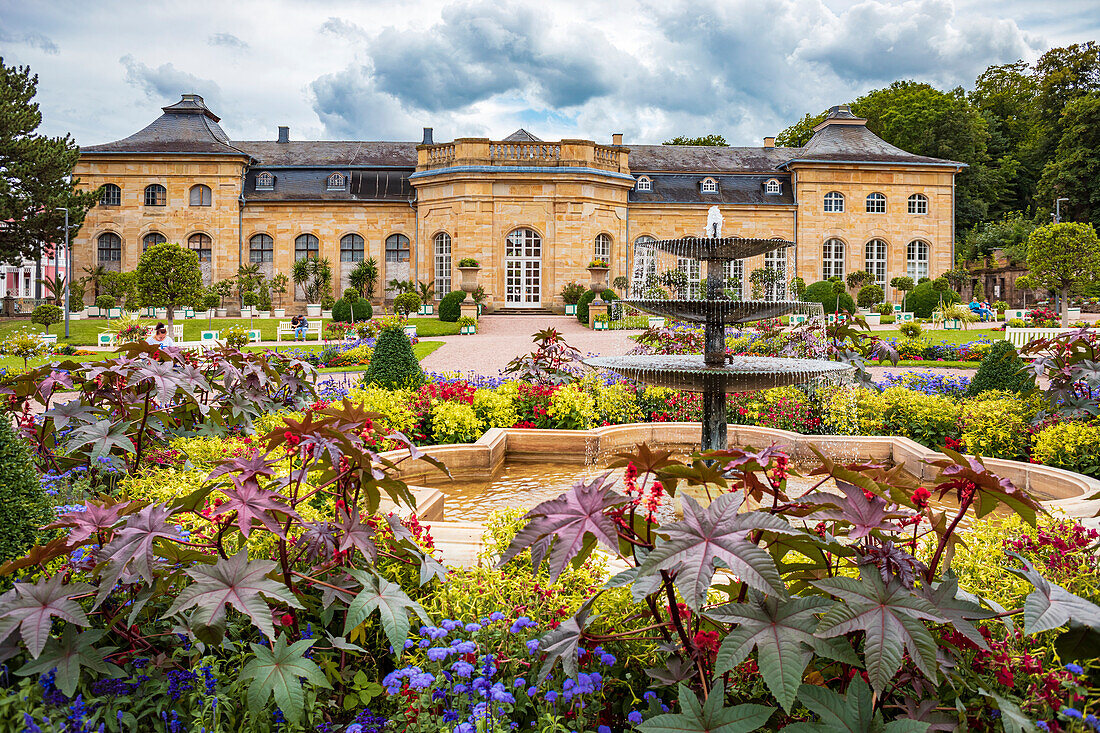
{"x":68,"y":269}
{"x":1058,"y":210}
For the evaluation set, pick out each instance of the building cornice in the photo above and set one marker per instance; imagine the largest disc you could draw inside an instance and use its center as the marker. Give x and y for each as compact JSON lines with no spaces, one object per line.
{"x":509,"y":169}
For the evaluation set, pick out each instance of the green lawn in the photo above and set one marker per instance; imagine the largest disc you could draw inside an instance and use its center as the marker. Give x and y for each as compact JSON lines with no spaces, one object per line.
{"x":938,"y":335}
{"x":86,"y":332}
{"x":931,"y":364}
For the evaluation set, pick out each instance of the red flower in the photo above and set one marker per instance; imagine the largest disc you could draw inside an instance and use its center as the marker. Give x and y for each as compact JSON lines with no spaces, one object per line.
{"x":920,"y":497}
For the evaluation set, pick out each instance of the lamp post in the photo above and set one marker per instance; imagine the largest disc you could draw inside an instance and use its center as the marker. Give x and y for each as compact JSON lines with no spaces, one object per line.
{"x":68,"y":269}
{"x":1058,"y":210}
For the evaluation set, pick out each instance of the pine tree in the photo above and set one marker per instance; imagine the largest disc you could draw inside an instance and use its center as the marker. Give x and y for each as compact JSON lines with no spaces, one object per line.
{"x":35,"y":173}
{"x":393,"y":364}
{"x":1001,"y":369}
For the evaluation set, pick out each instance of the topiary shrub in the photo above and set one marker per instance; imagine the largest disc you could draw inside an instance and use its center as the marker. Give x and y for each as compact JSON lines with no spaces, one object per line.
{"x":586,"y":300}
{"x":406,"y":303}
{"x":1001,"y":369}
{"x":924,"y":299}
{"x":24,"y":505}
{"x":823,"y":292}
{"x":46,"y":315}
{"x":870,"y":295}
{"x":911,"y":330}
{"x":450,"y":307}
{"x":393,"y":365}
{"x":105,"y":301}
{"x":885,"y":309}
{"x":342,"y":311}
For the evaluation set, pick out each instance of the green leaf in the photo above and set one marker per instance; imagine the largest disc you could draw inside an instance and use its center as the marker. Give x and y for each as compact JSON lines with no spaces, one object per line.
{"x":31,"y":609}
{"x":390,"y":601}
{"x":708,"y":717}
{"x":890,"y":615}
{"x":74,"y":651}
{"x":238,"y":582}
{"x":851,"y":713}
{"x":1050,"y":606}
{"x":782,"y":633}
{"x":1080,"y":643}
{"x":276,"y":671}
{"x":1013,"y":719}
{"x":717,"y":534}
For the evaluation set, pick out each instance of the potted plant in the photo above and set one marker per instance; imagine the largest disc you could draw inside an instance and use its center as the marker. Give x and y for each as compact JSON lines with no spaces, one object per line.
{"x":364,"y":277}
{"x":327,"y":301}
{"x":313,"y":275}
{"x":278,"y":285}
{"x":249,"y":300}
{"x":427,"y":294}
{"x":210,"y":302}
{"x":263,"y":301}
{"x":599,"y":323}
{"x":406,"y":304}
{"x":467,"y":326}
{"x":469,"y":268}
{"x":222,"y":289}
{"x":571,"y":294}
{"x":598,"y":270}
{"x":479,"y":296}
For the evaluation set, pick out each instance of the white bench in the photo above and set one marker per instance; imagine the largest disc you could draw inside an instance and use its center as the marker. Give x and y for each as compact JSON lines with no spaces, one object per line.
{"x":1019,"y":337}
{"x":48,"y":338}
{"x":313,"y":326}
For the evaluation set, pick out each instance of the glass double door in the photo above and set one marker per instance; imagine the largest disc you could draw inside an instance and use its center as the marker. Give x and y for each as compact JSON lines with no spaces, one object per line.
{"x":523,"y":269}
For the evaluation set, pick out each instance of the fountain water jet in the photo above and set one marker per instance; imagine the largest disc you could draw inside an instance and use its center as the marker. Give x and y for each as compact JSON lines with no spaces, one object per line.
{"x":713,"y":373}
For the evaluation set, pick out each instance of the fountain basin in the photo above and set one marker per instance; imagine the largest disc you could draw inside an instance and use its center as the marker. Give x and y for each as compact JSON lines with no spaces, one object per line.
{"x":721,"y":311}
{"x":738,"y":374}
{"x":719,"y":248}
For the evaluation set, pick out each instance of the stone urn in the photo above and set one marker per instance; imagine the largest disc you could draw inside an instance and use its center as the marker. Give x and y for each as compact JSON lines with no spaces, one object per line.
{"x":469,"y":278}
{"x":599,"y":279}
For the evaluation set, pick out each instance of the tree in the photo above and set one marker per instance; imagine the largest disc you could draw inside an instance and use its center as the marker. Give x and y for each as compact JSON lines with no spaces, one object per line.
{"x":168,"y":276}
{"x":46,"y":315}
{"x":95,"y":277}
{"x":705,"y":140}
{"x":1005,"y":97}
{"x":1075,"y":171}
{"x":1064,"y":257}
{"x":1008,"y":233}
{"x":55,"y":286}
{"x":393,"y":364}
{"x":313,"y":275}
{"x":800,"y":132}
{"x":24,"y":505}
{"x":364,"y":277}
{"x":903,"y":283}
{"x":35,"y":173}
{"x":1061,"y":76}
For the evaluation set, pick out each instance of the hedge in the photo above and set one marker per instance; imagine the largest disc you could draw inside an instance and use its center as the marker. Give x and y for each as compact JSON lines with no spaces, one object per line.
{"x":822,"y":292}
{"x":342,"y":311}
{"x":587,"y":298}
{"x":450,"y":307}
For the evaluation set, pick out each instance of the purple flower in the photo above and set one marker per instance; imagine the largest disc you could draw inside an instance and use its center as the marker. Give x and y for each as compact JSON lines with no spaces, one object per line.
{"x":1072,"y":713}
{"x":520,"y":624}
{"x":462,"y":669}
{"x":1075,"y":668}
{"x":532,"y":646}
{"x":438,"y":654}
{"x":607,"y":659}
{"x":472,"y":628}
{"x":634,"y":717}
{"x":603,"y":729}
{"x":496,"y":616}
{"x":550,"y":696}
{"x":464,"y":647}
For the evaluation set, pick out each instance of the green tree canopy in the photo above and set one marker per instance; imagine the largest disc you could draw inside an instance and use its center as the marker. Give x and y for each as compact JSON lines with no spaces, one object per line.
{"x":168,"y":276}
{"x":35,"y":173}
{"x":1009,"y":233}
{"x":1064,"y":257}
{"x":800,"y":132}
{"x":711,"y":140}
{"x":1075,"y":171}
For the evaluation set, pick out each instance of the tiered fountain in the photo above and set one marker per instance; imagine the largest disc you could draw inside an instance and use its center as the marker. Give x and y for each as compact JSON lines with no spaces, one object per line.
{"x":714,"y":373}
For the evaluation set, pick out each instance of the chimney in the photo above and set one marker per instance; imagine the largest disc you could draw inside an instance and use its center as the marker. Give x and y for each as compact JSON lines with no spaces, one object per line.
{"x":617,"y":138}
{"x":769,"y":142}
{"x":427,"y":137}
{"x":284,"y":134}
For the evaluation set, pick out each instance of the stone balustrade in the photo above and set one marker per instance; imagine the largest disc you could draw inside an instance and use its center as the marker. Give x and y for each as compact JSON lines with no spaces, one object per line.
{"x":485,"y":152}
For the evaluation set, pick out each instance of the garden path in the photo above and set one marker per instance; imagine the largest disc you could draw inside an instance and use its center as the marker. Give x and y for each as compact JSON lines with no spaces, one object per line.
{"x":502,"y":338}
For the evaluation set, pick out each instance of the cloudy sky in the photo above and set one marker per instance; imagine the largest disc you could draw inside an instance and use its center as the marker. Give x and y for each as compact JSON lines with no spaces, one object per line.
{"x":374,"y":69}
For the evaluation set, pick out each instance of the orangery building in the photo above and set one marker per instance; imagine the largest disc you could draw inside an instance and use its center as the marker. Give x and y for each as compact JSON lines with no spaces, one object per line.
{"x":532,"y":213}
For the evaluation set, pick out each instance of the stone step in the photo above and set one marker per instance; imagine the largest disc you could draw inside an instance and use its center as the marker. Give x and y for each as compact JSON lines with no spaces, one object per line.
{"x":522,"y":312}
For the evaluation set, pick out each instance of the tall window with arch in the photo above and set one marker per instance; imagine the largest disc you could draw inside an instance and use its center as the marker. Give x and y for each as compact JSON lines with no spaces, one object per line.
{"x":875,"y":261}
{"x":200,"y":195}
{"x":152,"y":239}
{"x":734,"y":270}
{"x":111,"y":195}
{"x":523,"y":268}
{"x":645,"y":263}
{"x":693,"y":272}
{"x":918,"y":204}
{"x":876,"y":203}
{"x":156,"y":195}
{"x":776,"y":260}
{"x":832,"y":259}
{"x":916,"y":260}
{"x":306,"y":246}
{"x":202,"y":245}
{"x":109,"y":250}
{"x":261,"y":249}
{"x":441,"y":247}
{"x":352,"y":248}
{"x":834,"y":202}
{"x":602,"y":249}
{"x":397,"y":261}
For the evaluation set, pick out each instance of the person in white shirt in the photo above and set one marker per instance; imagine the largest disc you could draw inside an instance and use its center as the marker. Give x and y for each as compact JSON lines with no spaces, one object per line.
{"x":160,"y":337}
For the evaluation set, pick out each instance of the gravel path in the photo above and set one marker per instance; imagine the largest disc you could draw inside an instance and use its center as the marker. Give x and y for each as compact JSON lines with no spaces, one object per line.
{"x":502,"y":338}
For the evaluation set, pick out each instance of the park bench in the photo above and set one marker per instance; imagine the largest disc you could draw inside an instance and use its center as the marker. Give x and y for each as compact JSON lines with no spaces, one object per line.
{"x":1019,"y":337}
{"x":313,"y":327}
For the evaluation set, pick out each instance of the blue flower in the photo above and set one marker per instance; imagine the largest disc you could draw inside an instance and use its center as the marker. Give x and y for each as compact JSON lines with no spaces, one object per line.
{"x":634,"y":717}
{"x":462,"y":669}
{"x":1092,"y":721}
{"x":532,"y":691}
{"x":472,"y":628}
{"x":438,"y":654}
{"x":464,"y":647}
{"x":1075,"y":668}
{"x":603,"y":729}
{"x":550,"y":696}
{"x":649,"y":695}
{"x":520,"y":624}
{"x":496,"y":616}
{"x":1042,"y":724}
{"x":532,"y":646}
{"x":465,"y":727}
{"x":1072,"y":713}
{"x":520,"y":682}
{"x":421,"y":681}
{"x":607,"y":659}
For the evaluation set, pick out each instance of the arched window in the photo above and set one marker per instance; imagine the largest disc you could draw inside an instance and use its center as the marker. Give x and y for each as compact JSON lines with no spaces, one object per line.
{"x":306,"y":246}
{"x":776,"y":260}
{"x":109,"y":245}
{"x":336,"y":181}
{"x":602,"y":249}
{"x":691,"y":268}
{"x":918,"y":204}
{"x":152,"y":239}
{"x":876,"y":204}
{"x":773,"y":187}
{"x":200,"y":195}
{"x":645,"y":264}
{"x":111,"y":195}
{"x":644,"y":184}
{"x":916,"y":260}
{"x":200,"y":243}
{"x":352,"y":248}
{"x":397,"y":248}
{"x":265,"y":181}
{"x":834,"y":202}
{"x":156,"y":195}
{"x":875,"y":261}
{"x":442,"y":251}
{"x":832,"y":259}
{"x":735,"y":278}
{"x":709,"y":185}
{"x":261,"y":248}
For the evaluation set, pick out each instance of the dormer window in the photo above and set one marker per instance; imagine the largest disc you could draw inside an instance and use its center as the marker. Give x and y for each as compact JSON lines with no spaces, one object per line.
{"x":773,"y":187}
{"x":265,"y":182}
{"x":643,"y":184}
{"x":336,"y":181}
{"x":709,"y":185}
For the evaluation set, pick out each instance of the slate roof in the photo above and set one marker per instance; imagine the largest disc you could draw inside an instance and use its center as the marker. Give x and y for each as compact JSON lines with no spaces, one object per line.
{"x":311,"y":184}
{"x":334,"y":153}
{"x":187,"y":126}
{"x":732,"y":189}
{"x":701,"y":159}
{"x":522,"y":136}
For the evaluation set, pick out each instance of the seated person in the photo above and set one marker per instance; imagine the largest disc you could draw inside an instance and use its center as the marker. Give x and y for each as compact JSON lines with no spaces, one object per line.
{"x":301,"y":327}
{"x":160,"y":337}
{"x":985,"y":311}
{"x":975,"y":306}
